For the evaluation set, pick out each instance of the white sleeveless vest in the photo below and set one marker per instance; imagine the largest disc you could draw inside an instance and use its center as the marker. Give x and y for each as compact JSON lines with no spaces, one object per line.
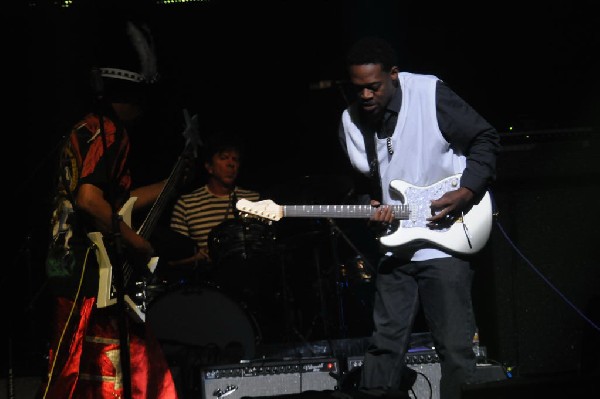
{"x":421,"y":154}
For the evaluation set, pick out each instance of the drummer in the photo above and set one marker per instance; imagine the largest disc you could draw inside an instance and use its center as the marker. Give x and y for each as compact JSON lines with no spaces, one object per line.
{"x":232,"y":252}
{"x":196,"y":213}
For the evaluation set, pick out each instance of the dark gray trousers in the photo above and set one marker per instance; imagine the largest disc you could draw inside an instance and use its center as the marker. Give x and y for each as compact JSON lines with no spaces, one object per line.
{"x":443,"y":287}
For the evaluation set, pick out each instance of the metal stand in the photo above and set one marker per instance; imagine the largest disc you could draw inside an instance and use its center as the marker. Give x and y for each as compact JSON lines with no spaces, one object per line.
{"x":323,"y":314}
{"x":336,"y":232}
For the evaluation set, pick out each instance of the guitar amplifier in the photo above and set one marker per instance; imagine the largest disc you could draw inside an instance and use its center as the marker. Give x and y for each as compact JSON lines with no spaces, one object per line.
{"x":427,"y":365}
{"x":268,"y":378}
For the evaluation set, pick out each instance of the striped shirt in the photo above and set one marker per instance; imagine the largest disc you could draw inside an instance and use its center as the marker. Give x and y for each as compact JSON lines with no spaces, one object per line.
{"x":197,"y":213}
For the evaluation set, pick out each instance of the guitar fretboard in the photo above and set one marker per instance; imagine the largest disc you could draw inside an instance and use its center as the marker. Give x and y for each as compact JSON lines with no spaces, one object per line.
{"x":341,"y":211}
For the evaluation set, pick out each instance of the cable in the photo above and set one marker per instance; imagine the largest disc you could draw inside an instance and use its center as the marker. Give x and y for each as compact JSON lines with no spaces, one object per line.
{"x":545,"y":279}
{"x":62,"y":334}
{"x":428,"y":384}
{"x":508,"y":370}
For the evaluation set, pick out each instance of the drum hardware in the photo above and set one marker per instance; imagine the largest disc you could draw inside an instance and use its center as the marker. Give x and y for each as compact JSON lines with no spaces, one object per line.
{"x":145,"y":293}
{"x":367,"y":269}
{"x":345,"y":274}
{"x":147,"y":290}
{"x":334,"y":279}
{"x":354,"y":270}
{"x":305,"y":295}
{"x":323,"y":315}
{"x":290,"y":330}
{"x":359,"y":268}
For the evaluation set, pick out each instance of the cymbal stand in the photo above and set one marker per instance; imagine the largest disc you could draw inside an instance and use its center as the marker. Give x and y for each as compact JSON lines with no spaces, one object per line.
{"x":289,"y":314}
{"x":337,"y":232}
{"x":343,"y":328}
{"x":323,"y":314}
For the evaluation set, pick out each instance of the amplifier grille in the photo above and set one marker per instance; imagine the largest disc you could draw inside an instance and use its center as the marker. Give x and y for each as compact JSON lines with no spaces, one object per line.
{"x":269,"y":378}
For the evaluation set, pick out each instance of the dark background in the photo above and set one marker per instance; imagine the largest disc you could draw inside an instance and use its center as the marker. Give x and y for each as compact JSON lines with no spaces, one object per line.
{"x":252,"y":66}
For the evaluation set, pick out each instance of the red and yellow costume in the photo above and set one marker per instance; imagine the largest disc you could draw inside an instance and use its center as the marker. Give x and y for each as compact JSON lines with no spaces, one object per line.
{"x":85,"y":358}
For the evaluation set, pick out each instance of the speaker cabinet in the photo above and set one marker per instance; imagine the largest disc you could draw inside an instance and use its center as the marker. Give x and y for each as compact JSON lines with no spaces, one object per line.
{"x":268,"y":378}
{"x":427,"y":365}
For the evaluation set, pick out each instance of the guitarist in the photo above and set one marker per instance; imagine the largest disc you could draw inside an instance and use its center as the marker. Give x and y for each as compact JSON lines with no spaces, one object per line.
{"x":93,"y":179}
{"x":414,"y":128}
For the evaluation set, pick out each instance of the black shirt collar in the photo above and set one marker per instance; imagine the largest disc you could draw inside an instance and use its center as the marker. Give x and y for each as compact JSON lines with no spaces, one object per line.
{"x":390,"y":116}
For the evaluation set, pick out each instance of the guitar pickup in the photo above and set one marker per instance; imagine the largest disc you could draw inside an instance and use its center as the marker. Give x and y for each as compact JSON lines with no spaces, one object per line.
{"x":152,"y":264}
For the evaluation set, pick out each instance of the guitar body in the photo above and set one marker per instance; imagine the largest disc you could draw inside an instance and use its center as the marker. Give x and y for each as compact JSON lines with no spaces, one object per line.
{"x":107,"y":295}
{"x":465,"y":235}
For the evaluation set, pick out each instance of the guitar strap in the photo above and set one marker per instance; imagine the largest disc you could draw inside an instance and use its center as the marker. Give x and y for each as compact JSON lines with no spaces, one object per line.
{"x":374,"y":177}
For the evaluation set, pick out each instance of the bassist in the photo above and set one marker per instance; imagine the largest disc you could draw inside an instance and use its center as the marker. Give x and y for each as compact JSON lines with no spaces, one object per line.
{"x":93,"y":182}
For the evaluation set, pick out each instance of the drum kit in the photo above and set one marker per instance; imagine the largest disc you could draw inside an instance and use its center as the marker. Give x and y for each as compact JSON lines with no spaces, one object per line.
{"x":271,"y":283}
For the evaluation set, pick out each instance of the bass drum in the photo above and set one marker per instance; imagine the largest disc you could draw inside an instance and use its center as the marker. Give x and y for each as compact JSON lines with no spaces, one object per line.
{"x":204,"y":319}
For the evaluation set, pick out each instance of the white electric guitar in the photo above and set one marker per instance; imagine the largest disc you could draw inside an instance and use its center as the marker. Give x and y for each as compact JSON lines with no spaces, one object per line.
{"x":466,"y":234}
{"x":134,"y":280}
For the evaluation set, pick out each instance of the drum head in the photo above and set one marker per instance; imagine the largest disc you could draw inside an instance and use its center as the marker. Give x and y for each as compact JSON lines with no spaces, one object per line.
{"x":203,"y":317}
{"x":240,"y":240}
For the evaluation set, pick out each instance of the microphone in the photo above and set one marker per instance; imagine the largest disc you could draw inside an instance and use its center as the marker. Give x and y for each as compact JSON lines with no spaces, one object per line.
{"x":324,"y":84}
{"x":97,"y":83}
{"x":236,"y":213}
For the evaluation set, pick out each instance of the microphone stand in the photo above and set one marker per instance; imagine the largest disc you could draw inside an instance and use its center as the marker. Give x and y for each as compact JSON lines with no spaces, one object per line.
{"x":236,"y":212}
{"x":236,"y":216}
{"x":116,"y":242}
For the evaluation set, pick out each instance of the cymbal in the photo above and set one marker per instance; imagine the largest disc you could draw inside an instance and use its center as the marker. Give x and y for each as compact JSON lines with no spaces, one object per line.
{"x":319,"y":189}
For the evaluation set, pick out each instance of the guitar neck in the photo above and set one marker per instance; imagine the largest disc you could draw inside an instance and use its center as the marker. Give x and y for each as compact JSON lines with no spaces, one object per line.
{"x":341,"y":211}
{"x":162,"y":201}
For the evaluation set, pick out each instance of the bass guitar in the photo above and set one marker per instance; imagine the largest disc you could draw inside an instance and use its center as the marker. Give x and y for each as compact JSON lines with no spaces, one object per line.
{"x":135,"y":283}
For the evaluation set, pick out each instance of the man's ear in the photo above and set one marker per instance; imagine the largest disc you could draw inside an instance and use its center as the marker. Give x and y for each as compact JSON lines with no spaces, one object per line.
{"x":394,"y":75}
{"x":208,"y":167}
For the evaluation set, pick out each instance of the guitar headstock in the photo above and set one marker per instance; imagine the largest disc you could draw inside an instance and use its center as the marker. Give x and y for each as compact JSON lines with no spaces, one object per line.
{"x":265,"y":209}
{"x":191,"y":133}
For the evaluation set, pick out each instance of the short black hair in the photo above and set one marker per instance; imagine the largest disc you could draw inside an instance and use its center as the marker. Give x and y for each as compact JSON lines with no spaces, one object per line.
{"x":372,"y":50}
{"x":219,"y":142}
